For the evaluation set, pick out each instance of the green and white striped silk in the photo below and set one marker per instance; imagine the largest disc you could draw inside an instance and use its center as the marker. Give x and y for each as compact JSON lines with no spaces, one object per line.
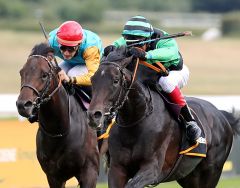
{"x":138,"y":26}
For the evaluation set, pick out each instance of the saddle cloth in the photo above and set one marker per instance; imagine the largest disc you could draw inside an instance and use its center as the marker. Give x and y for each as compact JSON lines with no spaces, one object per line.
{"x":200,"y":148}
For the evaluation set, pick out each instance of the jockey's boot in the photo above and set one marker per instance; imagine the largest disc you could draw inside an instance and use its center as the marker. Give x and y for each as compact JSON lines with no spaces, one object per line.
{"x":193,"y":132}
{"x":192,"y":129}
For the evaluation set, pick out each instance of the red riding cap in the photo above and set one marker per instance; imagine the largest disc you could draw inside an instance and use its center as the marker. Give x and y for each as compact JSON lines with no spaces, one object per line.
{"x":70,"y":33}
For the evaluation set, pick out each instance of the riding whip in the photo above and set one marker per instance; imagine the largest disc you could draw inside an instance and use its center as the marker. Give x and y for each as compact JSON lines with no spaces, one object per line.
{"x":181,"y":34}
{"x":46,"y":37}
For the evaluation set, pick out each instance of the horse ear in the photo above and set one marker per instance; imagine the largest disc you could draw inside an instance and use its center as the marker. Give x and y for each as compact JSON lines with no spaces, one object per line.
{"x":128,"y":57}
{"x":125,"y":62}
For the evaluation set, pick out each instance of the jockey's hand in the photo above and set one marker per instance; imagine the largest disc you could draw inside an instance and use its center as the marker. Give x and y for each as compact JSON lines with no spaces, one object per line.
{"x":50,"y":56}
{"x":138,"y":53}
{"x":63,"y":76}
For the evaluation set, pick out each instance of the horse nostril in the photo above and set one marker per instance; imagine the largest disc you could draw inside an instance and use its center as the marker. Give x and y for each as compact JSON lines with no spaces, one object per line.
{"x":97,"y":115}
{"x":24,"y":107}
{"x":28,"y":104}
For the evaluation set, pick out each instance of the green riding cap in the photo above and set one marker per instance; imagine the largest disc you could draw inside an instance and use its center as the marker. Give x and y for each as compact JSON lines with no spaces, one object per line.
{"x":138,"y":26}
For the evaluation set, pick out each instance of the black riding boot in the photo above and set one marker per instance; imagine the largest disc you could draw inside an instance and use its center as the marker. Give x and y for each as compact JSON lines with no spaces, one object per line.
{"x":192,"y":129}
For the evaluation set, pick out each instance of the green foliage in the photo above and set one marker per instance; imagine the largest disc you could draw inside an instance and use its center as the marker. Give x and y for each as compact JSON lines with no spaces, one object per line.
{"x":25,"y":14}
{"x":216,"y":5}
{"x":163,"y":5}
{"x":151,"y":5}
{"x":231,"y":24}
{"x":83,"y":11}
{"x":13,"y":9}
{"x":92,"y":10}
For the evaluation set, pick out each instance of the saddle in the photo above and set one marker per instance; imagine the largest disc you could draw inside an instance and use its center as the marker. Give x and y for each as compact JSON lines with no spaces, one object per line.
{"x":200,"y":148}
{"x":81,"y":93}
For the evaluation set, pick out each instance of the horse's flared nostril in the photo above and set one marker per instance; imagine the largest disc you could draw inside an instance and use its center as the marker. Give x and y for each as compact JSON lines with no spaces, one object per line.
{"x":28,"y":104}
{"x":24,"y":104}
{"x":24,"y":107}
{"x":94,"y":115}
{"x":95,"y":118}
{"x":97,"y":115}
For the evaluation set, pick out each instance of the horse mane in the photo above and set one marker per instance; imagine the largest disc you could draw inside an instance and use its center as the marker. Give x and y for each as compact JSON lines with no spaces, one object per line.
{"x":117,"y":54}
{"x":41,"y":49}
{"x":145,"y":75}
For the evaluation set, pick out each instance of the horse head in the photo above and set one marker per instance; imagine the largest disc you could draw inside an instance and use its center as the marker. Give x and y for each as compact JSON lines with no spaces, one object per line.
{"x":39,"y":81}
{"x":109,"y":86}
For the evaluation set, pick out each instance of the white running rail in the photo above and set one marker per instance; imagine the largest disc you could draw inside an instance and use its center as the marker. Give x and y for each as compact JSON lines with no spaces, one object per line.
{"x":227,"y":102}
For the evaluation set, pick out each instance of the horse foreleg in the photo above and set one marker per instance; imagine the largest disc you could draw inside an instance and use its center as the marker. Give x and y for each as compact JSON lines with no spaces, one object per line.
{"x":104,"y":147}
{"x":149,"y":175}
{"x":117,"y":177}
{"x":54,"y":183}
{"x":88,"y":178}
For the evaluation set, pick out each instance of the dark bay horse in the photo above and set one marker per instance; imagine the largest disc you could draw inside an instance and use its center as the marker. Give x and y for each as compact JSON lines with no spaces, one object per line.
{"x":144,"y":144}
{"x":66,"y":145}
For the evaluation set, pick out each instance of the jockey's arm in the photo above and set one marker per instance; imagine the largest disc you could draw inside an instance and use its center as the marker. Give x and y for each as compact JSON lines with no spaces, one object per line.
{"x":92,"y":58}
{"x":119,"y":42}
{"x":165,"y":51}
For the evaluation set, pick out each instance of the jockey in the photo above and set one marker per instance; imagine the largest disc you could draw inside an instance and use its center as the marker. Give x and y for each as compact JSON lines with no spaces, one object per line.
{"x":80,"y":51}
{"x":166,"y":51}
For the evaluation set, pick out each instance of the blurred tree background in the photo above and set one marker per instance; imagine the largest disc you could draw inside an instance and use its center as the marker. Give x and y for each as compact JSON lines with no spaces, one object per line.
{"x":94,"y":14}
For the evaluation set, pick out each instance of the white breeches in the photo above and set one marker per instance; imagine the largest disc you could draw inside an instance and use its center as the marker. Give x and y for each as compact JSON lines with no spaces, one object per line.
{"x":73,"y":70}
{"x":175,"y":78}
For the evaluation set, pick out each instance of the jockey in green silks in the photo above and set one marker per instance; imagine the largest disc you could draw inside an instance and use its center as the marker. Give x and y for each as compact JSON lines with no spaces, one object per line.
{"x":166,"y":51}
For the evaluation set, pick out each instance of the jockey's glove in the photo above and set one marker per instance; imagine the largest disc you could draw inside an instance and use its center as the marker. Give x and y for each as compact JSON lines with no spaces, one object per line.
{"x":108,"y":49}
{"x":138,"y":53}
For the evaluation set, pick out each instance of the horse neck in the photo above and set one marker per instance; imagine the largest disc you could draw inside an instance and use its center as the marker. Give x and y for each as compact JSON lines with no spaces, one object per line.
{"x":56,"y":112}
{"x":137,"y":105}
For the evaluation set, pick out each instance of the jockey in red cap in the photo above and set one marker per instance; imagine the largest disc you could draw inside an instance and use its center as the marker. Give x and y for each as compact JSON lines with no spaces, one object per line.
{"x":70,"y":33}
{"x":80,"y":51}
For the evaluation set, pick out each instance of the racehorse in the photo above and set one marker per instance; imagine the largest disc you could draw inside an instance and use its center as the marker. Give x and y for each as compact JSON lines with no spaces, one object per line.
{"x":66,"y":145}
{"x":145,"y":142}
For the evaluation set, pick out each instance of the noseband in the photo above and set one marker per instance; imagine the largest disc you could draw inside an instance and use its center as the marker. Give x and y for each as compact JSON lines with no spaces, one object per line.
{"x":42,"y":96}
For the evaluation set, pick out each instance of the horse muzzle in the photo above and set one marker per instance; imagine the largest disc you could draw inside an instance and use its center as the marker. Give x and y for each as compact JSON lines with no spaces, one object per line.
{"x":95,"y":119}
{"x":26,"y":109}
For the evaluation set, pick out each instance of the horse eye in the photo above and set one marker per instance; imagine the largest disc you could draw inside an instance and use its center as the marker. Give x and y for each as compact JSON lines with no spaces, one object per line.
{"x":44,"y":75}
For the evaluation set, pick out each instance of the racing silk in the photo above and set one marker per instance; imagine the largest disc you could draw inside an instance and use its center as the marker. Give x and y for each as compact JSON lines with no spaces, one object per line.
{"x":89,"y":54}
{"x":165,"y":50}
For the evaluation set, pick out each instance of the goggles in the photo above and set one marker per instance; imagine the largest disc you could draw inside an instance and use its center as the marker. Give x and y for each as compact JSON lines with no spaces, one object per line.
{"x":70,"y":49}
{"x":131,"y":40}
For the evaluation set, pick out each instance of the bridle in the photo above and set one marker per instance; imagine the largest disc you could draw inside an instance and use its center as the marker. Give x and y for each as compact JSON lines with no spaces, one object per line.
{"x":43,"y":96}
{"x":122,"y":96}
